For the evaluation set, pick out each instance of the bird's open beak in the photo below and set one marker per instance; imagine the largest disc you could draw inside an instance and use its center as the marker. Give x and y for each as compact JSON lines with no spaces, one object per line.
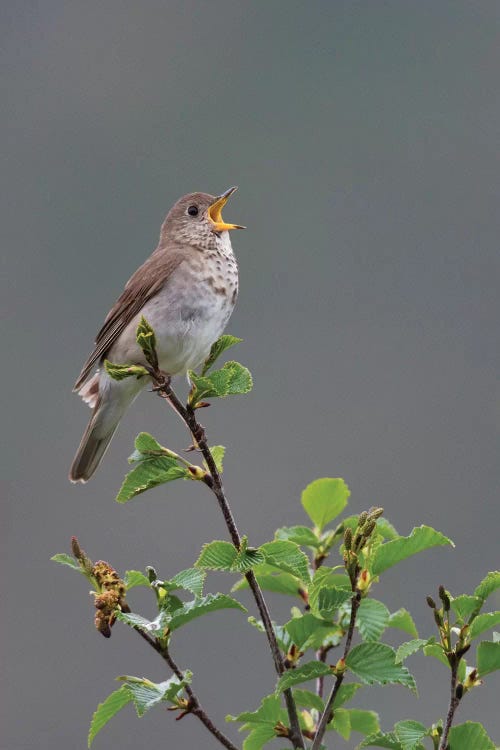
{"x":215,"y":212}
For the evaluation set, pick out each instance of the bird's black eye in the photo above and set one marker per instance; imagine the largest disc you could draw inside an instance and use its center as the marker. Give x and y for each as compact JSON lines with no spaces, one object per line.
{"x":193,"y":210}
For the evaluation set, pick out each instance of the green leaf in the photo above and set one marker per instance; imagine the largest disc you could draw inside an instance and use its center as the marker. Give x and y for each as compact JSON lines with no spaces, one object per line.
{"x":221,"y":345}
{"x":145,"y":337}
{"x":107,"y":709}
{"x":488,"y":585}
{"x":65,"y":559}
{"x":308,"y":699}
{"x":465,"y":606}
{"x":190,"y":579}
{"x":150,"y":473}
{"x":470,"y":736}
{"x":287,"y":556}
{"x":327,"y":601}
{"x":217,"y":556}
{"x":382,"y":739}
{"x":346,"y":693}
{"x":484,"y":622}
{"x":147,"y":694}
{"x":198,"y":607}
{"x":364,"y":722}
{"x":304,"y":673}
{"x":488,"y":657}
{"x":135,"y":578}
{"x":420,"y":539}
{"x":218,"y":452}
{"x":341,"y":722}
{"x":372,"y":619}
{"x":308,"y":631}
{"x":269,"y":712}
{"x":386,"y":529}
{"x":324,"y":499}
{"x":409,"y":733}
{"x":376,"y":663}
{"x":258,"y":737}
{"x":409,"y":648}
{"x":120,"y":372}
{"x":403,"y":621}
{"x":436,"y":650}
{"x":269,"y":579}
{"x":136,"y":621}
{"x":232,"y":379}
{"x":301,"y":535}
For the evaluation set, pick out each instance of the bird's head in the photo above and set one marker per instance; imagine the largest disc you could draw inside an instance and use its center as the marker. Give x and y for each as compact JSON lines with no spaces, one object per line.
{"x":196,"y":219}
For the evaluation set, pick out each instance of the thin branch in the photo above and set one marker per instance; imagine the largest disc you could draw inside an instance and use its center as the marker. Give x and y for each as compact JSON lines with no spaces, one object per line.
{"x":454,"y":701}
{"x":214,"y":481}
{"x":326,"y":716}
{"x":194,"y":705}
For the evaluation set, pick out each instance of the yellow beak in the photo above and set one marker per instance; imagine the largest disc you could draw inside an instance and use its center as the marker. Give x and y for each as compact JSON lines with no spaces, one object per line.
{"x":215,"y":212}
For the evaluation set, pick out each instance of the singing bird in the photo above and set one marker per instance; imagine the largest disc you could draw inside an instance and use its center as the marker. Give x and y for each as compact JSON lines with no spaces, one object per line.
{"x":187,"y":290}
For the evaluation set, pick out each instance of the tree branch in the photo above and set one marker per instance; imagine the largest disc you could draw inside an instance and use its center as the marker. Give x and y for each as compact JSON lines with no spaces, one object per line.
{"x":454,"y":701}
{"x":194,"y":706}
{"x":327,"y":713}
{"x":214,"y":481}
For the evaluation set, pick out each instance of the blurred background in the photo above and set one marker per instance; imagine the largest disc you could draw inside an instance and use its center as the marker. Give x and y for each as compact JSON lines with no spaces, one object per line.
{"x":364,"y":137}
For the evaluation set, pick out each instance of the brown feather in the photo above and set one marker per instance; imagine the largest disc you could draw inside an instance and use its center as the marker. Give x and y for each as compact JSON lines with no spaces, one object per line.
{"x":144,"y":284}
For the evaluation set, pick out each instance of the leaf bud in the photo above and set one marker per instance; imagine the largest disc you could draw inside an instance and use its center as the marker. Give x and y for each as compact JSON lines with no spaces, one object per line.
{"x":369,"y":528}
{"x":340,"y":667}
{"x":459,"y":691}
{"x":364,"y":581}
{"x":430,"y":601}
{"x":375,"y":513}
{"x":444,"y":598}
{"x":348,"y":539}
{"x":438,"y":618}
{"x":362,"y":519}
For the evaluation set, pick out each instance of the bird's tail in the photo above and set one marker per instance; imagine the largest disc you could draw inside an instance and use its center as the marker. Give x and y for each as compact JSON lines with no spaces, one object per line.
{"x":109,"y":402}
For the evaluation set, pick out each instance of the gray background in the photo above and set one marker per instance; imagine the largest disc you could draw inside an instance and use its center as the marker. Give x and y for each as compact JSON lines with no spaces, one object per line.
{"x":364,"y":137}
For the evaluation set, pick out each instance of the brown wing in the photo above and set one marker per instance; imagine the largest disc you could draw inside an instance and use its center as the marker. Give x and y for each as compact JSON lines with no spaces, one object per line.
{"x":141,"y":287}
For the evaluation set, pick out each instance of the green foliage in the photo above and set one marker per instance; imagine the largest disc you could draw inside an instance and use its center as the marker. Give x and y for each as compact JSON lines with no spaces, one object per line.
{"x":376,"y":663}
{"x":324,"y":499}
{"x":121,"y":372}
{"x":328,"y":568}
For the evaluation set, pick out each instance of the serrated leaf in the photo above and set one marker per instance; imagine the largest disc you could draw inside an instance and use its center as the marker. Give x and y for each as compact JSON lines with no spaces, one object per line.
{"x":470,"y":736}
{"x":364,"y":722}
{"x":269,"y":712}
{"x":218,"y":453}
{"x":386,"y":529}
{"x":134,"y":578}
{"x":487,"y":657}
{"x":376,"y":663}
{"x":308,"y":699}
{"x":301,"y":535}
{"x":231,"y":380}
{"x":121,"y":372}
{"x":436,"y":650}
{"x":106,"y":710}
{"x":327,"y":601}
{"x":341,"y":723}
{"x":346,"y":693}
{"x":284,"y":640}
{"x":409,"y":733}
{"x":488,"y":585}
{"x":147,"y":694}
{"x":382,"y":739}
{"x":484,"y":622}
{"x":324,"y":499}
{"x":465,"y":606}
{"x":191,"y":579}
{"x":150,"y":473}
{"x":198,"y":607}
{"x":308,"y":631}
{"x":409,"y":648}
{"x":304,"y":673}
{"x":403,"y":621}
{"x":136,"y":621}
{"x":269,"y":579}
{"x":287,"y":556}
{"x":145,"y":337}
{"x":420,"y":539}
{"x":218,"y":555}
{"x":258,"y":737}
{"x":218,"y":347}
{"x":64,"y":559}
{"x":372,"y":619}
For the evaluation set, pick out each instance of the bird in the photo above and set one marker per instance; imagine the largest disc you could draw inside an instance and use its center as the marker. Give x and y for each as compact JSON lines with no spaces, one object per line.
{"x":186,"y":290}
